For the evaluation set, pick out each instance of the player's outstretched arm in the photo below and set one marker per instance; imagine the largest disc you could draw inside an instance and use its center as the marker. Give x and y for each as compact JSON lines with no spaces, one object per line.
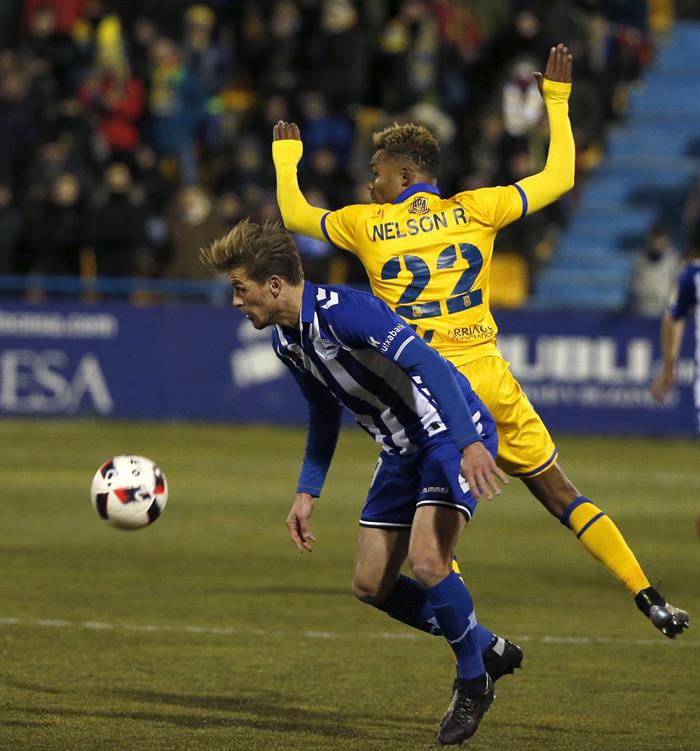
{"x":298,"y":214}
{"x":671,"y":338}
{"x":557,"y":177}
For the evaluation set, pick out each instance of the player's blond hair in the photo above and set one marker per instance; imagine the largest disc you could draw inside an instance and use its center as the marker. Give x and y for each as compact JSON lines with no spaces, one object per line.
{"x":262,"y":250}
{"x":413,"y":142}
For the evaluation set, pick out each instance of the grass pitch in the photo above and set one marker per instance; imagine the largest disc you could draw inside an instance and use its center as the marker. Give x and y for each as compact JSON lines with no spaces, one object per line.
{"x":209,"y":631}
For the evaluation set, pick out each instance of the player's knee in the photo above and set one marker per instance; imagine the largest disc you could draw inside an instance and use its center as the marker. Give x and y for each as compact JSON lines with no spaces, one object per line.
{"x":369,"y":592}
{"x":429,"y":568}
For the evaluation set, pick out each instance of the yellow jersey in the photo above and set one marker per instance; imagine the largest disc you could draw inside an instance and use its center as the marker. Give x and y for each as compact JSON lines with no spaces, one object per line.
{"x":429,"y":258}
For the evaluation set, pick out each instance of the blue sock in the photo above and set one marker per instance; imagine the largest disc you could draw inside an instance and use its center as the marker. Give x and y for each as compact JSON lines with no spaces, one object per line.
{"x":454,"y":612}
{"x":407,"y":602}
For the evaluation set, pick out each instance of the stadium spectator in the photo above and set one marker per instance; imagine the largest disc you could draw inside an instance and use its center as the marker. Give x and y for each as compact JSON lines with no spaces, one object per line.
{"x":117,"y":231}
{"x":654,"y":273}
{"x":338,"y":54}
{"x":207,"y":58}
{"x":57,"y":229}
{"x":47,"y":42}
{"x":177,"y":106}
{"x":112,"y":94}
{"x":11,"y":227}
{"x":522,"y":104}
{"x":54,"y":158}
{"x":67,"y":12}
{"x":278,"y":41}
{"x":142,"y":36}
{"x":192,"y":223}
{"x":18,"y":122}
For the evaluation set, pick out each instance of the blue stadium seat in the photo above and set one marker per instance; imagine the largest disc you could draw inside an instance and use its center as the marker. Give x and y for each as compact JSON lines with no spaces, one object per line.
{"x":652,"y":161}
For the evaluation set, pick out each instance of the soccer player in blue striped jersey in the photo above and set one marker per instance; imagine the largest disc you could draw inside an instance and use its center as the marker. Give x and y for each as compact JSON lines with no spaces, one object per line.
{"x":686,"y":297}
{"x":438,"y":443}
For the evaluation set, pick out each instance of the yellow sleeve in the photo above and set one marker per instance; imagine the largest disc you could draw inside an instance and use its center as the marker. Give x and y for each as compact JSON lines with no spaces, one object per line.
{"x":298,"y":214}
{"x":494,"y":207}
{"x":341,"y":227}
{"x":557,"y":177}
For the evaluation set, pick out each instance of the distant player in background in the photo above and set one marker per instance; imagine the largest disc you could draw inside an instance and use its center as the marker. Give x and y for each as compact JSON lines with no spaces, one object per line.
{"x":685,"y":298}
{"x":438,"y":446}
{"x":429,"y":258}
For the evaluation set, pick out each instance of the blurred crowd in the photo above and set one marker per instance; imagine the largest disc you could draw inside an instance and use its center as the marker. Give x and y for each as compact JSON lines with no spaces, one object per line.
{"x":132,"y":133}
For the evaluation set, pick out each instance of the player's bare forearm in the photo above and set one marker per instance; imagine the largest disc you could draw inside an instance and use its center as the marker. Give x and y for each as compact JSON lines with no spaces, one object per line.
{"x":671,"y":338}
{"x":481,"y":472}
{"x":298,"y":522}
{"x":298,"y":214}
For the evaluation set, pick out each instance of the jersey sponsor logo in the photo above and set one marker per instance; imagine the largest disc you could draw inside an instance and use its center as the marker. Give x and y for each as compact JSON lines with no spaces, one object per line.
{"x":435,"y":489}
{"x":384,"y":346}
{"x":419,"y":205}
{"x":476,"y":331}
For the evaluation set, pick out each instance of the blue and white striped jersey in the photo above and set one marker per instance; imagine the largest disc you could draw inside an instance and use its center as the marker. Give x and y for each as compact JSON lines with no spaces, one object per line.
{"x":349,"y":343}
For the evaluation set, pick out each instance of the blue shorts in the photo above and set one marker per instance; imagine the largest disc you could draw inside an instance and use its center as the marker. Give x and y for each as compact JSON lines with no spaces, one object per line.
{"x":429,"y":477}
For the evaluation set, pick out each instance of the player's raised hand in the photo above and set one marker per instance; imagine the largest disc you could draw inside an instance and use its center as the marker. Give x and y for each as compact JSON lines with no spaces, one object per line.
{"x":298,"y":522}
{"x":481,"y":472}
{"x":284,"y":131}
{"x":559,"y":65}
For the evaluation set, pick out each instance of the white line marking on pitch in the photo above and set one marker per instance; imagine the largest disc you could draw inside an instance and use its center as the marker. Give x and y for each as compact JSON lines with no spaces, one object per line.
{"x":230,"y":631}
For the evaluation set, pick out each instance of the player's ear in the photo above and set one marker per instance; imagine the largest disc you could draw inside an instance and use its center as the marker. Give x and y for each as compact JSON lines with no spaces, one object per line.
{"x":405,"y":175}
{"x":274,"y":284}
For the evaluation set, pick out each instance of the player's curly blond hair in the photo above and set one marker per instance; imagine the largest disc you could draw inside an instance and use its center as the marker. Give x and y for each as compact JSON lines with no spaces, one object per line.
{"x":413,"y":142}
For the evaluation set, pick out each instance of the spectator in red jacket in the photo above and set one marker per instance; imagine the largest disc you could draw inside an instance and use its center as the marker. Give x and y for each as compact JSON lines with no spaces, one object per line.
{"x":117,"y":100}
{"x":115,"y":96}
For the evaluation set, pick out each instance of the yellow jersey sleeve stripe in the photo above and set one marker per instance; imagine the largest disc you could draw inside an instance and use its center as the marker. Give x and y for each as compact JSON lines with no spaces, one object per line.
{"x":323,"y":227}
{"x":524,"y":197}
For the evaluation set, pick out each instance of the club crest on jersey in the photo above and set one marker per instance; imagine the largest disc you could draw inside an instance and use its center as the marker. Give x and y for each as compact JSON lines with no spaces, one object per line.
{"x":419,"y":205}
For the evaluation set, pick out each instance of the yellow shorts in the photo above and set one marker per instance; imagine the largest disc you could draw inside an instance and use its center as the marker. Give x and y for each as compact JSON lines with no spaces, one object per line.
{"x":525,"y":448}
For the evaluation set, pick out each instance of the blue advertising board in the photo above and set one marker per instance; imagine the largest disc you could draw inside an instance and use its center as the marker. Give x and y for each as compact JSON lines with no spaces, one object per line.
{"x":584,"y":372}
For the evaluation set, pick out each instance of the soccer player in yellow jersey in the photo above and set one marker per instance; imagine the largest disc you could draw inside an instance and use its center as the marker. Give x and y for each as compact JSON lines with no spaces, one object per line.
{"x":428,"y":257}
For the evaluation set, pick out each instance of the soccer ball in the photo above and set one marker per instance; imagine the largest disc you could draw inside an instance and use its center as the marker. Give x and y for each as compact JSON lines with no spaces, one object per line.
{"x":129,"y":492}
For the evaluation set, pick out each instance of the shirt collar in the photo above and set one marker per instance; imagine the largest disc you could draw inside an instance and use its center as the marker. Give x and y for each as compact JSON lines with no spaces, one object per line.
{"x":416,"y":188}
{"x":308,"y":302}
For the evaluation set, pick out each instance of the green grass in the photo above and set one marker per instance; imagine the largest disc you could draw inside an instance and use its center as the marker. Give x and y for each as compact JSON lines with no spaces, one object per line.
{"x":216,"y":634}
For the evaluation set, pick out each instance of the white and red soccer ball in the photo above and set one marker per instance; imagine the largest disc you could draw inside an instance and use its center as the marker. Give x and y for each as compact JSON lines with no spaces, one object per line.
{"x":129,"y":492}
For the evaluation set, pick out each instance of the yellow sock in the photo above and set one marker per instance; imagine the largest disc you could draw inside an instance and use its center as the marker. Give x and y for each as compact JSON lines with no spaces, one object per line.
{"x":603,"y":540}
